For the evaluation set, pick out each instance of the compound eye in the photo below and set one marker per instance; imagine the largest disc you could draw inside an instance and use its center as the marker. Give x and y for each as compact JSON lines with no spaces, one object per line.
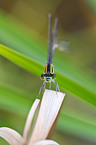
{"x":42,"y":75}
{"x":54,"y":75}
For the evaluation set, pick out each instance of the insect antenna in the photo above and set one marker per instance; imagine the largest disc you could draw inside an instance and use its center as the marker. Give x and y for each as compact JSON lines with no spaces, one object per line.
{"x":49,"y":36}
{"x":54,"y":39}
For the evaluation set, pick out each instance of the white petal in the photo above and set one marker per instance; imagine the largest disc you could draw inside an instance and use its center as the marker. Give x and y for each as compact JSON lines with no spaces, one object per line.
{"x":50,"y":105}
{"x":46,"y":142}
{"x":29,"y":119}
{"x":11,"y":136}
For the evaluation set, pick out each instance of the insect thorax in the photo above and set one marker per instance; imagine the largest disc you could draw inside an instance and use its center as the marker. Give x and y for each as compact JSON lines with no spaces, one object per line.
{"x":49,"y":68}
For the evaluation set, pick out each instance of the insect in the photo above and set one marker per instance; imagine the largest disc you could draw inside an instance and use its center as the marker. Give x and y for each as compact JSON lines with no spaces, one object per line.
{"x":49,"y":76}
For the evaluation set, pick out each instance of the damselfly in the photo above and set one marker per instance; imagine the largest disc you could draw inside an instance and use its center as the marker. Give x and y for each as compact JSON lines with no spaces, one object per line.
{"x":49,"y":76}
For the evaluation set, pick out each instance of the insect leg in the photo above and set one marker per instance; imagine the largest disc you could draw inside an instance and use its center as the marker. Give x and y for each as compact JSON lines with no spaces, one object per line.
{"x":57,"y":87}
{"x":43,"y":83}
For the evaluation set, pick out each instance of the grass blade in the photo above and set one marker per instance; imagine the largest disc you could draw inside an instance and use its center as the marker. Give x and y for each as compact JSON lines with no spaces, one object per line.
{"x":36,"y":69}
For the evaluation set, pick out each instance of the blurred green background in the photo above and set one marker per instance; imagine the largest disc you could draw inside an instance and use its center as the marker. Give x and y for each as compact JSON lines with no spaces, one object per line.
{"x":24,"y":30}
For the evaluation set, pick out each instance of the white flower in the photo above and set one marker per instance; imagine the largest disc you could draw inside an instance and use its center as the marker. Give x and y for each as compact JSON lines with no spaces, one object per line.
{"x":49,"y":108}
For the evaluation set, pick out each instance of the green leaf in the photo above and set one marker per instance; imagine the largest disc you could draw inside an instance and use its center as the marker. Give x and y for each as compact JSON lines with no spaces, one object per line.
{"x":13,"y":100}
{"x":21,"y":60}
{"x":77,"y":127}
{"x":36,"y":68}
